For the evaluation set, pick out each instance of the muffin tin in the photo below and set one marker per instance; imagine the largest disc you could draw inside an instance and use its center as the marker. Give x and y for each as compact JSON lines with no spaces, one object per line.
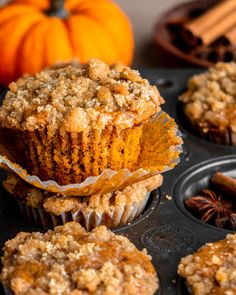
{"x":166,"y":228}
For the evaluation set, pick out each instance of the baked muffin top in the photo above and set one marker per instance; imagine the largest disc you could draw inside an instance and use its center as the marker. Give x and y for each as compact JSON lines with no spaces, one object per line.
{"x":70,"y":260}
{"x":211,"y":270}
{"x":74,"y":98}
{"x":211,"y":97}
{"x":57,"y":204}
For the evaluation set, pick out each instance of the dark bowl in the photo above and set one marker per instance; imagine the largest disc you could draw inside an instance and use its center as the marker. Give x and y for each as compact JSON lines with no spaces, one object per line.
{"x":168,"y":54}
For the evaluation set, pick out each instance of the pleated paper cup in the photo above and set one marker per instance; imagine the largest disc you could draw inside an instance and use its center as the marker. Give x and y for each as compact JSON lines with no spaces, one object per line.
{"x":160,"y":147}
{"x":48,"y":210}
{"x":88,"y":218}
{"x":72,"y":157}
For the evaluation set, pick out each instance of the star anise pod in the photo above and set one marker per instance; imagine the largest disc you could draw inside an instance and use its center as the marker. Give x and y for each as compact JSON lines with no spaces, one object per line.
{"x":212,"y":208}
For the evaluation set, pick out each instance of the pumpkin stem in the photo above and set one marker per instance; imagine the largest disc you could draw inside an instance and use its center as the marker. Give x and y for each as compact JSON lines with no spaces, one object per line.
{"x":57,"y":9}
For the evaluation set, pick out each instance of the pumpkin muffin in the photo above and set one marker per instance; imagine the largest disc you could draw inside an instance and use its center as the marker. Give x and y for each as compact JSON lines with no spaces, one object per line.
{"x":70,"y":260}
{"x":68,"y":123}
{"x":211,"y":270}
{"x":111,"y":209}
{"x":210,"y":103}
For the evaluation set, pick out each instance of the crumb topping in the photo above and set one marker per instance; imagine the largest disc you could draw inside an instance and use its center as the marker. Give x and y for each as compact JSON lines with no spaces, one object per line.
{"x":73,"y":98}
{"x":211,"y":97}
{"x":57,"y":204}
{"x":70,"y":260}
{"x":212,"y":269}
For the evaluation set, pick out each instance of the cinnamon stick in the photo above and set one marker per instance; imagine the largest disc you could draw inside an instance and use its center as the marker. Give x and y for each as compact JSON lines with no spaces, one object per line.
{"x":219,"y":28}
{"x":212,"y":24}
{"x":225,"y":184}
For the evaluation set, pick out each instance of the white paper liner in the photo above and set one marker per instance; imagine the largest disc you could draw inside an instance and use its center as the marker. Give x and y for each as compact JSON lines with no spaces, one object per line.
{"x":87,"y":217}
{"x":161,"y":142}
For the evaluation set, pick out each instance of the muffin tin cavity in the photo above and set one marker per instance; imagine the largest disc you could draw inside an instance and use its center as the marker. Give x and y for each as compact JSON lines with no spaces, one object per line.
{"x":197,"y":178}
{"x":163,"y":83}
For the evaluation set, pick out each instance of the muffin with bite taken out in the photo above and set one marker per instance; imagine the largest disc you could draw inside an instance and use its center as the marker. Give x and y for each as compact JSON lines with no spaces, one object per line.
{"x":69,"y":123}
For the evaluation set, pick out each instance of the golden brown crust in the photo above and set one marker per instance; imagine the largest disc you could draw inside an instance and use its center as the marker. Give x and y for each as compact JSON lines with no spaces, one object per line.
{"x":210,"y":100}
{"x":74,"y":99}
{"x":57,"y":205}
{"x":211,"y":270}
{"x":70,"y":260}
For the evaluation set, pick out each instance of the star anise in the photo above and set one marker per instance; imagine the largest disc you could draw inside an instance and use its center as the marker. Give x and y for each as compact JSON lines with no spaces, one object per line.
{"x":212,"y":208}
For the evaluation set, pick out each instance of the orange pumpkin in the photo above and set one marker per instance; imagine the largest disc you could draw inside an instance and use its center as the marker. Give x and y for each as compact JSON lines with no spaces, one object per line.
{"x":35,"y":34}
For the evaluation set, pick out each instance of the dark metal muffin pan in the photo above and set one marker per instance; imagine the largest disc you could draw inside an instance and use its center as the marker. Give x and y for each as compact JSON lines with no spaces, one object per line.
{"x":166,"y":228}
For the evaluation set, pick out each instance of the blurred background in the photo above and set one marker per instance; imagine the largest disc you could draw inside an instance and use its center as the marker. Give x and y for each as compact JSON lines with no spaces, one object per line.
{"x":165,"y":33}
{"x":144,"y":15}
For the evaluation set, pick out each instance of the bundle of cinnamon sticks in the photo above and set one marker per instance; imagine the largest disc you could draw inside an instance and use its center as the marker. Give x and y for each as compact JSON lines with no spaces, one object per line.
{"x":209,"y":36}
{"x":216,"y":23}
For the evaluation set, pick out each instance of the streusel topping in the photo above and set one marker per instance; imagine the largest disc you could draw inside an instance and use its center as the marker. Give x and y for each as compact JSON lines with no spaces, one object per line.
{"x":211,"y":97}
{"x":75,"y":98}
{"x":212,"y":269}
{"x":57,"y":205}
{"x":70,"y":261}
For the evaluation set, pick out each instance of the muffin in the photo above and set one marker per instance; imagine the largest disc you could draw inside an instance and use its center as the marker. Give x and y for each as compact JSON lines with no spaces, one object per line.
{"x":211,"y":270}
{"x":210,"y":103}
{"x":69,"y":123}
{"x":111,"y":209}
{"x":70,"y":260}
